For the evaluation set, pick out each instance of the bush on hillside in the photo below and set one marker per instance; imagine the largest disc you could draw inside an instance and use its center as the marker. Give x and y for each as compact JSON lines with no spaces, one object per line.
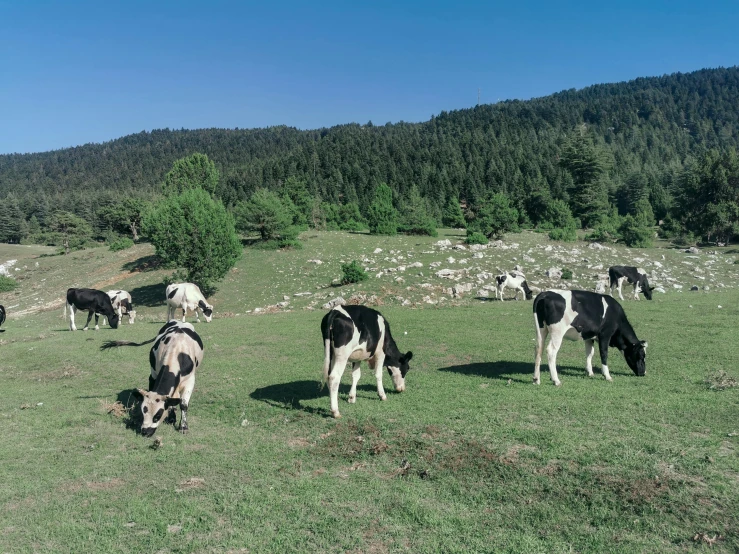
{"x":493,"y":216}
{"x":567,"y":234}
{"x":353,"y":273}
{"x":120,"y":243}
{"x":635,"y":233}
{"x":476,"y":237}
{"x":383,"y":217}
{"x":7,"y":284}
{"x":566,"y":273}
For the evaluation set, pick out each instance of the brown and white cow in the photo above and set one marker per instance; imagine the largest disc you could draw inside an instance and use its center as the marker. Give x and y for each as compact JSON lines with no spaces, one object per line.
{"x":188,"y":297}
{"x":122,"y":304}
{"x":353,"y":334}
{"x":176,"y":354}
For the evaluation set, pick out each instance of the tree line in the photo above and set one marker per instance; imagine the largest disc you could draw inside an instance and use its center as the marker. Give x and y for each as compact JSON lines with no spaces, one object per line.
{"x":612,"y":158}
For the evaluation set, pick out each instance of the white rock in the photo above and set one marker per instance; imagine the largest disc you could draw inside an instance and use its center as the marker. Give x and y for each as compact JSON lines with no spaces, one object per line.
{"x":445,"y":242}
{"x":478,"y":255}
{"x":459,"y":247}
{"x":377,"y":250}
{"x":317,"y":262}
{"x":416,"y":264}
{"x":302,"y":294}
{"x":554,"y":273}
{"x":446,"y":273}
{"x":450,"y":260}
{"x":338,"y":301}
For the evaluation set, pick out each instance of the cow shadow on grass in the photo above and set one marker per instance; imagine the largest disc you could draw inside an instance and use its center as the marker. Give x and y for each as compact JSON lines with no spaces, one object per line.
{"x":132,"y":416}
{"x":149,"y":295}
{"x":518,"y":371}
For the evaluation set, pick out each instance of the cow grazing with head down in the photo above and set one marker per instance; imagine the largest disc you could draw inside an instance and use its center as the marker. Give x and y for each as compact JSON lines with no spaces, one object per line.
{"x":188,"y":297}
{"x":588,"y":316}
{"x":122,"y":304}
{"x":618,"y":274}
{"x":95,"y":302}
{"x":2,"y":317}
{"x":176,"y":354}
{"x":353,"y":334}
{"x":512,"y":280}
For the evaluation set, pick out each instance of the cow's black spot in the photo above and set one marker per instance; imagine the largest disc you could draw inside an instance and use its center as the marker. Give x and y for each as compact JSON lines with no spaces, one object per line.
{"x":193,"y":335}
{"x":197,"y":363}
{"x":169,"y":324}
{"x":186,"y":364}
{"x":158,"y":415}
{"x":167,"y":381}
{"x":167,"y":339}
{"x":171,"y":294}
{"x":146,"y":410}
{"x":152,"y":359}
{"x":549,"y":308}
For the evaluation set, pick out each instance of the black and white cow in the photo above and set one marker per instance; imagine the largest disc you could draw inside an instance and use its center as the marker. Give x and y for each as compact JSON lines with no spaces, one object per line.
{"x":353,"y":334}
{"x":2,"y":317}
{"x":588,"y":316}
{"x":188,"y":297}
{"x":618,"y":274}
{"x":122,"y":304}
{"x":94,"y":302}
{"x":176,"y":354}
{"x":512,"y":280}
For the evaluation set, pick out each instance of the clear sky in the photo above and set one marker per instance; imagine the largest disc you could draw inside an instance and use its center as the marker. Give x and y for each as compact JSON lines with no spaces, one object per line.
{"x":74,"y":72}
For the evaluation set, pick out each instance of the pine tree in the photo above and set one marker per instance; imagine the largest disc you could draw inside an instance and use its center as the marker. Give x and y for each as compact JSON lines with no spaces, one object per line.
{"x":587,"y":166}
{"x":415,"y":219}
{"x":452,"y":215}
{"x":195,"y":171}
{"x":11,"y":220}
{"x":383,"y":217}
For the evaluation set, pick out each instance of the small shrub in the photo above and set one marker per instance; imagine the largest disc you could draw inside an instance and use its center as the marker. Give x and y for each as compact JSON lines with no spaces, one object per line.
{"x":120,"y":244}
{"x":635,"y":233}
{"x":353,"y":273}
{"x":566,"y":273}
{"x":736,"y":262}
{"x":568,"y":234}
{"x":7,"y":284}
{"x":476,"y":237}
{"x":292,"y":243}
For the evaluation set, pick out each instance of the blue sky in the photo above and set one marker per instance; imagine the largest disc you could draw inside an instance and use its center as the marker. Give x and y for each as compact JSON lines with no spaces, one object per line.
{"x":78,"y":72}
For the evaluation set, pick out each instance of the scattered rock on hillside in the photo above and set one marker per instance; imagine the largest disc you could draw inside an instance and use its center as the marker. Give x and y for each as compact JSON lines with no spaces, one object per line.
{"x":377,"y":250}
{"x":445,"y":242}
{"x":446,"y":273}
{"x":554,"y":273}
{"x":598,"y":246}
{"x":317,"y":262}
{"x":692,"y":250}
{"x":331,"y":304}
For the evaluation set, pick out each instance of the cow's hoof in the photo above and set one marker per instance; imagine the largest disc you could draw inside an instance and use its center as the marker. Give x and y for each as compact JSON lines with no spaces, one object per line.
{"x":351,"y":399}
{"x":183,"y":430}
{"x":336,"y":415}
{"x":97,"y":328}
{"x":84,"y":329}
{"x":610,"y":379}
{"x":591,"y":375}
{"x":557,"y":383}
{"x":383,"y":397}
{"x":401,"y":389}
{"x":537,"y":381}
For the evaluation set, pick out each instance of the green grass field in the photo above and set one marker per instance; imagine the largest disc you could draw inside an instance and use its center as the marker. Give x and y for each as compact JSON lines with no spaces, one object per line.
{"x":471,"y":458}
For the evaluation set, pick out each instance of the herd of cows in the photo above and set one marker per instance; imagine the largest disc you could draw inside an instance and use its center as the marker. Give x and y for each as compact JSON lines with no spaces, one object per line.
{"x":358,"y":333}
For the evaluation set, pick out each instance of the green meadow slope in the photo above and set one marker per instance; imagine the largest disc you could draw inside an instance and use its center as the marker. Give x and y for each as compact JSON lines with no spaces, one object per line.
{"x":471,"y":458}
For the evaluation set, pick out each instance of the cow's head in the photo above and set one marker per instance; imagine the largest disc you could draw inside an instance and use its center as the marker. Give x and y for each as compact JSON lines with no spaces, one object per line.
{"x":647,"y":290}
{"x":113,"y":319}
{"x":636,"y":356}
{"x":128,"y":307}
{"x":207,"y":310}
{"x":153,"y":406}
{"x":398,"y":370}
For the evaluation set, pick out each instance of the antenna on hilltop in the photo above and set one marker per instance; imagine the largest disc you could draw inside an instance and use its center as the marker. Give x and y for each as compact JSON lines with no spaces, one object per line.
{"x":478,"y":96}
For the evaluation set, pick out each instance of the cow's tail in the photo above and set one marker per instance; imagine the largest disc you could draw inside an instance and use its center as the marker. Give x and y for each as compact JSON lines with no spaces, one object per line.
{"x":116,"y":343}
{"x":536,"y":326}
{"x":326,"y":327}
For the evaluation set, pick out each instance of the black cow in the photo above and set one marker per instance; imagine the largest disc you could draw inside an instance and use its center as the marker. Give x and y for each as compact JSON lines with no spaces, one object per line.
{"x":353,"y":334}
{"x":588,"y":316}
{"x":94,"y":302}
{"x":176,"y":354}
{"x":634,"y":276}
{"x":2,"y":317}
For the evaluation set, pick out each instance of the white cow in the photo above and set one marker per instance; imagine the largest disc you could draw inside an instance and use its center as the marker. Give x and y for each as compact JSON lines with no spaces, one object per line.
{"x":188,"y":297}
{"x":122,"y":303}
{"x":512,"y":280}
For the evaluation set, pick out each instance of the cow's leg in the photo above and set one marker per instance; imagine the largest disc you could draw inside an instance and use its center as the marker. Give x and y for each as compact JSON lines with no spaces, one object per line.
{"x":620,"y":286}
{"x":356,"y":373}
{"x":499,"y":293}
{"x":541,"y":338}
{"x":89,"y":317}
{"x":72,"y":311}
{"x":170,"y":313}
{"x":184,"y":312}
{"x":338,"y":365}
{"x":636,"y":291}
{"x":379,"y":363}
{"x":603,"y":347}
{"x":523,"y":294}
{"x":185,"y":402}
{"x":554,"y":343}
{"x":97,"y":327}
{"x":589,"y":351}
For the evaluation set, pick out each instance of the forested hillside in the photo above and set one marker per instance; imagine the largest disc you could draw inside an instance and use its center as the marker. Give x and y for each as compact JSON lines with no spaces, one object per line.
{"x":644,"y":132}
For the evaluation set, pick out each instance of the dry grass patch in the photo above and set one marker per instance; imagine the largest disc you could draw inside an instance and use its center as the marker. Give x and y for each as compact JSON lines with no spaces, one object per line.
{"x":116,"y":408}
{"x":720,"y":380}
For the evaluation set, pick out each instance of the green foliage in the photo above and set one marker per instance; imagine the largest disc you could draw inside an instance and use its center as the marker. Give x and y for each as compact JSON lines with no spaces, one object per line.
{"x":300,"y":200}
{"x":415,"y":219}
{"x":566,"y":273}
{"x":493,"y":216}
{"x":11,"y":220}
{"x":476,"y":237}
{"x":69,"y":231}
{"x":556,"y":214}
{"x":453,"y":216}
{"x":587,"y":165}
{"x":635,"y":233}
{"x":350,"y":218}
{"x":353,"y":273}
{"x":120,"y":243}
{"x":567,"y":234}
{"x":7,"y":284}
{"x":195,"y":171}
{"x":267,"y":214}
{"x":382,"y":216}
{"x":125,"y":217}
{"x":606,"y":229}
{"x":195,"y":233}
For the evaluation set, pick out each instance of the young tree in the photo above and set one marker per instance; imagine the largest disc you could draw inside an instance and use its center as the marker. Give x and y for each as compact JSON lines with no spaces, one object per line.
{"x":350,"y":218}
{"x":452,"y":215}
{"x":383,"y":217}
{"x":194,"y":232}
{"x":70,"y":231}
{"x":415,"y":219}
{"x":296,"y":190}
{"x":265,"y":213}
{"x":195,"y":171}
{"x":11,"y":220}
{"x":493,"y":216}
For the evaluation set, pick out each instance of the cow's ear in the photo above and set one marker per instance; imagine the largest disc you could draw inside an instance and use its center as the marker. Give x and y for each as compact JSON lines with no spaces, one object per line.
{"x":407,"y":358}
{"x":169,"y":402}
{"x":652,"y":288}
{"x":139,"y":393}
{"x":644,"y":344}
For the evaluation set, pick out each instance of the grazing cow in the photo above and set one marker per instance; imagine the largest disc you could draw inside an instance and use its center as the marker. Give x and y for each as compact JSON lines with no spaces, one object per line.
{"x":122,"y":304}
{"x":94,"y":302}
{"x":188,"y":297}
{"x":176,"y":354}
{"x":513,"y":280}
{"x":588,"y":316}
{"x":2,"y":317}
{"x":618,"y":274}
{"x":353,"y":334}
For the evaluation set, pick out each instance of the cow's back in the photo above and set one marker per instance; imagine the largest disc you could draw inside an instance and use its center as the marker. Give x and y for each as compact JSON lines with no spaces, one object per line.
{"x":178,"y":351}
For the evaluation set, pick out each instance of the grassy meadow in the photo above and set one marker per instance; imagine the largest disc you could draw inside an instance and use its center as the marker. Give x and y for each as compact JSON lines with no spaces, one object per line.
{"x":471,"y":458}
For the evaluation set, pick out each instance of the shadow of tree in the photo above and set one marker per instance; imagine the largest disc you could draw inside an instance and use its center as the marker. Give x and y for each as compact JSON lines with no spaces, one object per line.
{"x":519,"y":371}
{"x":148,"y":295}
{"x":144,"y":263}
{"x":289,"y":396}
{"x":133,"y":418}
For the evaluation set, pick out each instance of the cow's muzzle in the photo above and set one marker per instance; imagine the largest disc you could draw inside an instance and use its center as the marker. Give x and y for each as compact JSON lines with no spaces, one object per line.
{"x":148,"y":431}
